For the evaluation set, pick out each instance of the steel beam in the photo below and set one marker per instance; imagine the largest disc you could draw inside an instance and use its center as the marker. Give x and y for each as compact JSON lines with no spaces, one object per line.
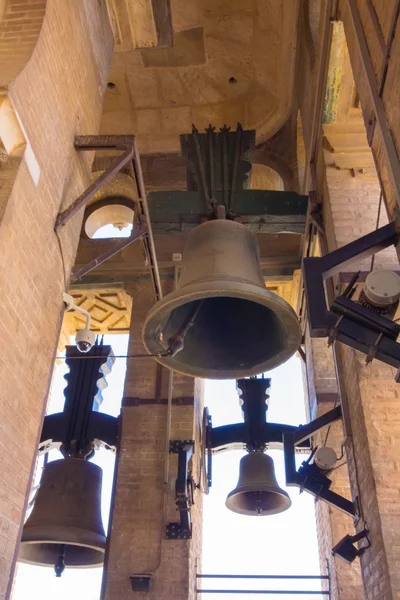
{"x":317,"y":487}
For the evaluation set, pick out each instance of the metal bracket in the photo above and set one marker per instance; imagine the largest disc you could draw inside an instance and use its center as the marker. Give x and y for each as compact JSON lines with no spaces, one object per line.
{"x":130,"y":157}
{"x":183,"y":490}
{"x":345,"y":320}
{"x":90,"y":143}
{"x":308,"y":477}
{"x":176,"y":446}
{"x":206,"y":452}
{"x":346,"y":550}
{"x":175,"y":531}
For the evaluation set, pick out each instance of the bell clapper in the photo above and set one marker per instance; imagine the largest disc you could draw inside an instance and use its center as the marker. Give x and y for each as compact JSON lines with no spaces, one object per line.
{"x":60,"y":564}
{"x":176,"y":344}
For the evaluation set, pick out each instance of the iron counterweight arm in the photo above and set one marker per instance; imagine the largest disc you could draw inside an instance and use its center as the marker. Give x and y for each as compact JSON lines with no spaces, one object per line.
{"x":80,"y":422}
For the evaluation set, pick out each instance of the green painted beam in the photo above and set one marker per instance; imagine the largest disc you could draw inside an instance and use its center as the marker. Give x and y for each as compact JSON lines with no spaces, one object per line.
{"x":263,"y":211}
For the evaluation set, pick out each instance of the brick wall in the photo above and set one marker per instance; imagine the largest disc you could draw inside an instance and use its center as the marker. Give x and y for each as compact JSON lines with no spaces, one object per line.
{"x":20,"y":25}
{"x":58,"y":95}
{"x":332,"y":525}
{"x":350,"y":206}
{"x":143,"y":503}
{"x":372,"y":446}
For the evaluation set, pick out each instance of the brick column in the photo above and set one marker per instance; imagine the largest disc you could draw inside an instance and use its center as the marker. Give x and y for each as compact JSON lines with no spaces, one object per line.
{"x":143,"y":503}
{"x":332,"y":524}
{"x":58,"y":94}
{"x":373,"y":446}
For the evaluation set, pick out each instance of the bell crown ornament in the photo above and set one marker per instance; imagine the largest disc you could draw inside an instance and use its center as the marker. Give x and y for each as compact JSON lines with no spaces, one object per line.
{"x":66,"y":515}
{"x":257,"y":492}
{"x":221,"y":322}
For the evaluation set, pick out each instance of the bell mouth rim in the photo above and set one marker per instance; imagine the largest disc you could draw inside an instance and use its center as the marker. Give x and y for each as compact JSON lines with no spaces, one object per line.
{"x":263,"y":488}
{"x":26,"y":545}
{"x":222,"y":288}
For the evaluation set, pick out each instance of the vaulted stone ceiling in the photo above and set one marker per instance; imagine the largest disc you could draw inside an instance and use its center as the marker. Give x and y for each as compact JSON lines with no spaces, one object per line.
{"x":231,"y":60}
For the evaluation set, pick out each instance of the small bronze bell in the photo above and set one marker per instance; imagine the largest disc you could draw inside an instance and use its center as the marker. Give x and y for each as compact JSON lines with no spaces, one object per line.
{"x":257,"y":492}
{"x":221,"y":322}
{"x":65,"y":525}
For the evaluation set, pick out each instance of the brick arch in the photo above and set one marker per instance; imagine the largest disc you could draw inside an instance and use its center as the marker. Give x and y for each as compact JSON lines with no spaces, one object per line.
{"x":20,"y":25}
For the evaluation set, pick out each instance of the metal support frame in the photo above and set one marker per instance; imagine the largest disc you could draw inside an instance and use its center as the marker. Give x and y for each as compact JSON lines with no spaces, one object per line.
{"x":184,"y":490}
{"x":255,"y":433}
{"x":345,"y":320}
{"x":345,"y":549}
{"x":127,"y":144}
{"x":309,"y":478}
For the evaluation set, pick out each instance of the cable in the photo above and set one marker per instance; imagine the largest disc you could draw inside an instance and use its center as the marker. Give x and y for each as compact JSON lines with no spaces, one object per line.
{"x":176,"y":344}
{"x":341,"y":465}
{"x":329,"y":428}
{"x":85,"y":357}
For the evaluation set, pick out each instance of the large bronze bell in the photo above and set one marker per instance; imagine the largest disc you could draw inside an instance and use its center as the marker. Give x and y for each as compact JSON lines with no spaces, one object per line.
{"x":257,"y":492}
{"x":66,"y":517}
{"x":221,"y":322}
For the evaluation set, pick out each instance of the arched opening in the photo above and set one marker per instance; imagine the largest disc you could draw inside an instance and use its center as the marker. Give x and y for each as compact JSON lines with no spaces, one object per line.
{"x":263,"y":177}
{"x":109,"y":221}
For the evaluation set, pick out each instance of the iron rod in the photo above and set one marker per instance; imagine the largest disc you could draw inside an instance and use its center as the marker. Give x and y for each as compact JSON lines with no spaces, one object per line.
{"x":208,"y":576}
{"x":169,"y":406}
{"x":203,"y":179}
{"x":145,"y":207}
{"x":236,"y":164}
{"x":210,"y":136}
{"x":225,"y":165}
{"x":282,"y":592}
